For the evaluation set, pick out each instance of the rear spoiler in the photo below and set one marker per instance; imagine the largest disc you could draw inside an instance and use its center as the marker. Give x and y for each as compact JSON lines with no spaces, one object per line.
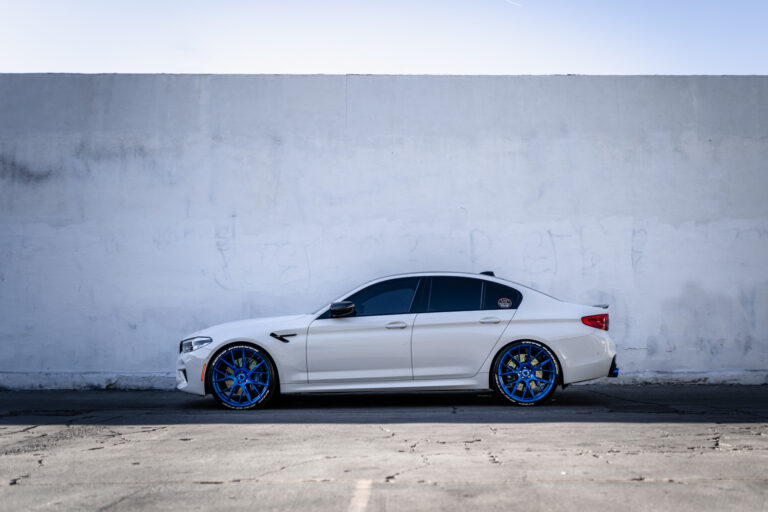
{"x":603,"y":306}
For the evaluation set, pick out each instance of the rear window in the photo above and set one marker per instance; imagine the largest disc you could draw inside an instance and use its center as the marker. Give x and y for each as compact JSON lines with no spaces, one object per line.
{"x":498,"y":296}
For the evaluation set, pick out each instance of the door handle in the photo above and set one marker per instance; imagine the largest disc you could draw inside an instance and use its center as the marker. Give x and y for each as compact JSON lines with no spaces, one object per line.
{"x":489,"y":320}
{"x":396,"y":325}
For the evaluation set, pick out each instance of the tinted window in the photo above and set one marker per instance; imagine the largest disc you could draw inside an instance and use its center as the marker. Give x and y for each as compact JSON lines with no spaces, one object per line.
{"x":455,"y":294}
{"x":498,"y":296}
{"x":388,"y":298}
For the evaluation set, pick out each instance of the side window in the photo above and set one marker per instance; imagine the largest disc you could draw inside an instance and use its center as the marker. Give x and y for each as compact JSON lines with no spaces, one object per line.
{"x":455,"y":294}
{"x":392,"y":297}
{"x":498,"y":296}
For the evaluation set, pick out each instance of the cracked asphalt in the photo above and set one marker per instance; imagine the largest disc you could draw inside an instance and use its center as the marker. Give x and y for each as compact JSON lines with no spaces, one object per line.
{"x":687,"y":447}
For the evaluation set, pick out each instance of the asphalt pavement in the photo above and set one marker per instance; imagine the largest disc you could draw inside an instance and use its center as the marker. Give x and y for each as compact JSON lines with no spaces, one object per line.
{"x":681,"y":447}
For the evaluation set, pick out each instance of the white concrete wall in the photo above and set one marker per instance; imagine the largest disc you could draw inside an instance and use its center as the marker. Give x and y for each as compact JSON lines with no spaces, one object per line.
{"x":136,"y":209}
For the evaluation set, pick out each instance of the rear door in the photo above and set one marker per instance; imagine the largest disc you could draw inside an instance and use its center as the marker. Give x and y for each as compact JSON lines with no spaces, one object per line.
{"x":463,"y":319}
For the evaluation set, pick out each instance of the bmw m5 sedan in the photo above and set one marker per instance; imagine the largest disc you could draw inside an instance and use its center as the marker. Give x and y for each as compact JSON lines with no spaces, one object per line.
{"x":421,"y":331}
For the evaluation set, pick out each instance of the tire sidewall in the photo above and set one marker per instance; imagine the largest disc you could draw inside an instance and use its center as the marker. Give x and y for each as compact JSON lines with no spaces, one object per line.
{"x":498,"y":385}
{"x":272,"y":377}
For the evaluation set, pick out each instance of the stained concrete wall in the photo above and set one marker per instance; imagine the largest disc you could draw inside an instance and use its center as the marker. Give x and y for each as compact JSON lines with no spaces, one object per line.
{"x":136,"y":209}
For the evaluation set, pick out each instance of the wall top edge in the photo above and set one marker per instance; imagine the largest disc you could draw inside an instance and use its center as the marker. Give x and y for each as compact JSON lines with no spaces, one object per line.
{"x":552,"y":75}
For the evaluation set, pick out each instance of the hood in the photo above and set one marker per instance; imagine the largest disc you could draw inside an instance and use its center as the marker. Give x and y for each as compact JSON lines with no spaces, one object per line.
{"x":253,"y":327}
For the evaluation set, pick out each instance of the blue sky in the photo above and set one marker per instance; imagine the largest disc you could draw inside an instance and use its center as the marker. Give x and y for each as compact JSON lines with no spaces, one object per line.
{"x":392,"y":37}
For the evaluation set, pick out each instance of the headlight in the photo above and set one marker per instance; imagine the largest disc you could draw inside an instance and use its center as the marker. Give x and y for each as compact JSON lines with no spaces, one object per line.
{"x":191,"y":344}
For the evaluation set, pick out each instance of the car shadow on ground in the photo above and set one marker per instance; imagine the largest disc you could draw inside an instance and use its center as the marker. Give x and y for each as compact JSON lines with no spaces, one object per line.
{"x":592,"y":403}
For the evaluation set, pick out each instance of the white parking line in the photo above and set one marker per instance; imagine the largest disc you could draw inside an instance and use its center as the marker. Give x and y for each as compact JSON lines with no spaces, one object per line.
{"x":360,"y":499}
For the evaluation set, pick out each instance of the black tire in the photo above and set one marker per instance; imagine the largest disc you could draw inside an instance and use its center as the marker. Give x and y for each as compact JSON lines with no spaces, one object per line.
{"x":525,"y":373}
{"x":242,"y":377}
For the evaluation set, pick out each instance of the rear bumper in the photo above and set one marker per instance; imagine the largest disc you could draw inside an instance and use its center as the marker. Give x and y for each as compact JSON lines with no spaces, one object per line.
{"x":614,"y":370}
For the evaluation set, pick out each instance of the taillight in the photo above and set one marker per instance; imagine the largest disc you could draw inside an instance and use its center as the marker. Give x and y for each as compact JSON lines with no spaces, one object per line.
{"x":596,"y":321}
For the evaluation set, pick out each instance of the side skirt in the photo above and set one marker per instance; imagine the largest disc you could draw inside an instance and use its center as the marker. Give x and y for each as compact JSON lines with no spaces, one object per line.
{"x":478,"y":382}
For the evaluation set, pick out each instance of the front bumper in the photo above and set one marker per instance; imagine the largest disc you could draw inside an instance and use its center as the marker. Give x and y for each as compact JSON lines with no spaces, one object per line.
{"x":190,"y":371}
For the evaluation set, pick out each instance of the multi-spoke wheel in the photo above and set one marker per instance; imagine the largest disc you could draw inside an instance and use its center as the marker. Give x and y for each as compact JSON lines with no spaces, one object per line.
{"x":525,"y":373}
{"x":241,"y":377}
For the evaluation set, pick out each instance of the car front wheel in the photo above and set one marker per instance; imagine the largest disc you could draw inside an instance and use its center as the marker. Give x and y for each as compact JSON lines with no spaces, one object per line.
{"x":242,"y":377}
{"x":525,"y":373}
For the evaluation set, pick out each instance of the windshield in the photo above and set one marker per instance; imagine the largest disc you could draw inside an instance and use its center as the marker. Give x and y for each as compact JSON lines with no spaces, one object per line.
{"x":328,"y":302}
{"x":320,"y":308}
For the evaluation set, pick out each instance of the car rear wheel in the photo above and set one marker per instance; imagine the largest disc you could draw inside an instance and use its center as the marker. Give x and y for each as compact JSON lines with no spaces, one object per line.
{"x":242,"y":377}
{"x":525,"y":373}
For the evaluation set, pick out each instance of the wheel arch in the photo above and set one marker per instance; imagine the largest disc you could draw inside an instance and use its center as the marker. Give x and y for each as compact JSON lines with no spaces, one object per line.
{"x":232,"y":343}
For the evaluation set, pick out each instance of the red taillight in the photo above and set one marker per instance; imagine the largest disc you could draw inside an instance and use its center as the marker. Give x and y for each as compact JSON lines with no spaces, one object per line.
{"x":596,"y":321}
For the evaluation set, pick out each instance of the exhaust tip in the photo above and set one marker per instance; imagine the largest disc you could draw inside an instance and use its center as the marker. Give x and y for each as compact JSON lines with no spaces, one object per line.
{"x":614,"y":371}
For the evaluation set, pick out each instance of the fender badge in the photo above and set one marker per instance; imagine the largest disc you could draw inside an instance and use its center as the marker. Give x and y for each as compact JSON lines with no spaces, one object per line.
{"x":504,"y":303}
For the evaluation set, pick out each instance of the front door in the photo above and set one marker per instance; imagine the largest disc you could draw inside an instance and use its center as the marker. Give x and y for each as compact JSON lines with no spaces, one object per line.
{"x":374,"y":345}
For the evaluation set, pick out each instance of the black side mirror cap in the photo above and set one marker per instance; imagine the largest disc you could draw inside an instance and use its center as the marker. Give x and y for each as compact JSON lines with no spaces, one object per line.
{"x":342,"y":309}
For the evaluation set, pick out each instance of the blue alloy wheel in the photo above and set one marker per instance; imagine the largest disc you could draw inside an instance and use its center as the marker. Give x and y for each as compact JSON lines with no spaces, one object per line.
{"x":241,"y":377}
{"x":525,"y":373}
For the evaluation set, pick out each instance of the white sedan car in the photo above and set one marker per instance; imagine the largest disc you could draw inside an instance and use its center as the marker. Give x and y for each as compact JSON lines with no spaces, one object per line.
{"x":424,"y":331}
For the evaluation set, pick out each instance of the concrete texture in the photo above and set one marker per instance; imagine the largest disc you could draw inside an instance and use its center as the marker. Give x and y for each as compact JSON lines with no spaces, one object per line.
{"x":136,"y":209}
{"x":596,"y":447}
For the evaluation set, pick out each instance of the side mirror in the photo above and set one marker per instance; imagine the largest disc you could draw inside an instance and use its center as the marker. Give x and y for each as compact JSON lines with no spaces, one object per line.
{"x":342,"y":309}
